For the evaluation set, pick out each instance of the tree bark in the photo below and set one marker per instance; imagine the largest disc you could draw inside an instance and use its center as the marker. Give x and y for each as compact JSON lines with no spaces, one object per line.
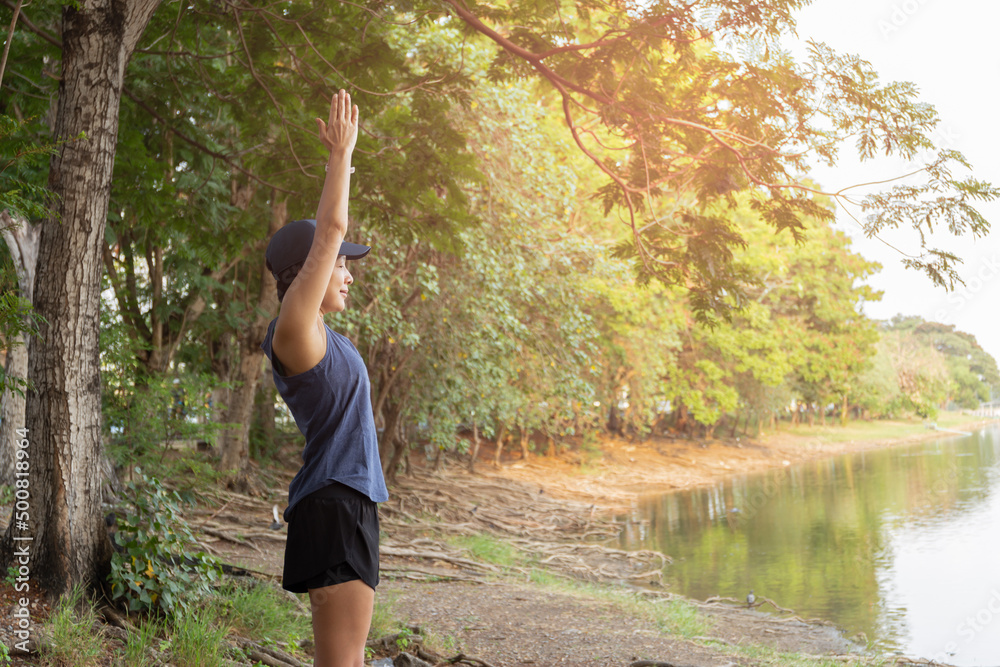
{"x":264,"y":405}
{"x":681,"y":424}
{"x":65,"y":530}
{"x":22,"y":242}
{"x":501,"y":434}
{"x":475,"y":447}
{"x":393,"y":446}
{"x":235,"y":446}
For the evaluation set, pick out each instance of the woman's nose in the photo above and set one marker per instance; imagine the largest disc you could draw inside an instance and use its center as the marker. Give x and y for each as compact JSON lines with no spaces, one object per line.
{"x":350,"y":278}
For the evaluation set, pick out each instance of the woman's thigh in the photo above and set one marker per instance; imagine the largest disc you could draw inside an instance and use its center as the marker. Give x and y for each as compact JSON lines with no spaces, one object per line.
{"x":341,"y":616}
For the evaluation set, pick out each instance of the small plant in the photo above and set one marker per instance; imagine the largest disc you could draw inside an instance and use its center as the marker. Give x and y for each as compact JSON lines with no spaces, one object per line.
{"x":403,"y":639}
{"x":11,"y":577}
{"x":4,"y":655}
{"x":153,"y":569}
{"x":72,"y":641}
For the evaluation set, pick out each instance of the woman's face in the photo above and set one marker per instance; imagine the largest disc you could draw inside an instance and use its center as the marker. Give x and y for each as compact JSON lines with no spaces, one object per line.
{"x":335,"y":299}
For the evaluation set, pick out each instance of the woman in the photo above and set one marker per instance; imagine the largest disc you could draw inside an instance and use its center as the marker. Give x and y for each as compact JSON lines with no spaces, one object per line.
{"x":332,"y":513}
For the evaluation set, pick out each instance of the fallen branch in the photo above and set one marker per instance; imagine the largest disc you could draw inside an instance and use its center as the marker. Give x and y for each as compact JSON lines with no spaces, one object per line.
{"x":268,"y":655}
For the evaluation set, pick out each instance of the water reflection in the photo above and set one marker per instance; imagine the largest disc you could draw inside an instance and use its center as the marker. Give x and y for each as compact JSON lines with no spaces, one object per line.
{"x":902,"y":545}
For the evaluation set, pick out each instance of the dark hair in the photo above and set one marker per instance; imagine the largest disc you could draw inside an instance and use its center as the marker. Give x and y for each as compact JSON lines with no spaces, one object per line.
{"x":286,"y":277}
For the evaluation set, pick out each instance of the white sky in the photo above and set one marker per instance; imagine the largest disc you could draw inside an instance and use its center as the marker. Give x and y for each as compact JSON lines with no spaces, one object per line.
{"x":951,"y":51}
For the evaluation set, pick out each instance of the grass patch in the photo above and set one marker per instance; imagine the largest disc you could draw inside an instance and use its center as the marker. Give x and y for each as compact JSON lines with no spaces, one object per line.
{"x":488,"y":549}
{"x":545,"y":578}
{"x":73,"y":643}
{"x":442,"y":644}
{"x":679,"y":617}
{"x":384,"y":617}
{"x":197,"y":642}
{"x":675,"y":617}
{"x":260,"y":613}
{"x":138,"y":643}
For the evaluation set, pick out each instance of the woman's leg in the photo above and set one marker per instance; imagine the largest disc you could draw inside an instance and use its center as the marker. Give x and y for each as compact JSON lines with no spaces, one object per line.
{"x":341,"y":616}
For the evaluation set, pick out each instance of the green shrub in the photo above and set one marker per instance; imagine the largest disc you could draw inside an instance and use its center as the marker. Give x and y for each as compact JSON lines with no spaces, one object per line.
{"x":153,"y":569}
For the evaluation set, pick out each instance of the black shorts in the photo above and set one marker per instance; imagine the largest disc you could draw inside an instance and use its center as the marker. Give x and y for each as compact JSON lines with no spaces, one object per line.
{"x":332,"y":538}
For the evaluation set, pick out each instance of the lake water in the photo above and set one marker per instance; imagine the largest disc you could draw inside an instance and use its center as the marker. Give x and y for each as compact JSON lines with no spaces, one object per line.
{"x":900,"y":544}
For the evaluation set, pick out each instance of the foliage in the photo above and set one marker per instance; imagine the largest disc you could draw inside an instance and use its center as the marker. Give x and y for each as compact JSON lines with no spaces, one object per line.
{"x":144,"y":411}
{"x":152,"y":568}
{"x":501,"y":295}
{"x":688,"y":107}
{"x":973,"y":372}
{"x":17,"y":319}
{"x":143,"y":418}
{"x":878,"y":392}
{"x":22,"y":196}
{"x":23,"y":161}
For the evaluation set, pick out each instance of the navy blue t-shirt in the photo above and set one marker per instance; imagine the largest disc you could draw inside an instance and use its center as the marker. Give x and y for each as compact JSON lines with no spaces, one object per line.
{"x":331,"y":404}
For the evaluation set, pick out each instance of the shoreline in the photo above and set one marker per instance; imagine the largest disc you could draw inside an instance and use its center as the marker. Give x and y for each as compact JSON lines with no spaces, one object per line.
{"x":626,"y":470}
{"x":600,"y":484}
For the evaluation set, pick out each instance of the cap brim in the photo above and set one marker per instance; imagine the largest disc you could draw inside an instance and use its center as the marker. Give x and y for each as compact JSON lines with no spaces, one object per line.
{"x":353,"y":250}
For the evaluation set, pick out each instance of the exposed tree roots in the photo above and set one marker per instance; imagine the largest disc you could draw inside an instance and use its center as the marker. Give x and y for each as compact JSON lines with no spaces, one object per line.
{"x":558,"y":535}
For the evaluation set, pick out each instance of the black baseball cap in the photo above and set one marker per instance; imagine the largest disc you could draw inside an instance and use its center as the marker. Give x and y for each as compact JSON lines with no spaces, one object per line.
{"x":290,"y":245}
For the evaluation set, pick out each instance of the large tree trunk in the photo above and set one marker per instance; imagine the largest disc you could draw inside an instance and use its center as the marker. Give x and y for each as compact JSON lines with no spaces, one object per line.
{"x":235,"y":446}
{"x":393,"y":446}
{"x":22,"y":242}
{"x":65,"y":530}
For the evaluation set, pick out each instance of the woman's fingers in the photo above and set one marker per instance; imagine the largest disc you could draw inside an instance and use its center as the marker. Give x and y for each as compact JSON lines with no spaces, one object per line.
{"x":342,"y":126}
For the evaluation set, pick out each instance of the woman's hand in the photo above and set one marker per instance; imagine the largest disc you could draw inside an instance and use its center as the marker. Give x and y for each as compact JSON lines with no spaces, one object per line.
{"x":340,"y":132}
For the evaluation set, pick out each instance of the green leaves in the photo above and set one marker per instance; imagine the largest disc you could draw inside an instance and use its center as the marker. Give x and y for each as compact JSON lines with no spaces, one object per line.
{"x":661,"y":103}
{"x":152,"y":568}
